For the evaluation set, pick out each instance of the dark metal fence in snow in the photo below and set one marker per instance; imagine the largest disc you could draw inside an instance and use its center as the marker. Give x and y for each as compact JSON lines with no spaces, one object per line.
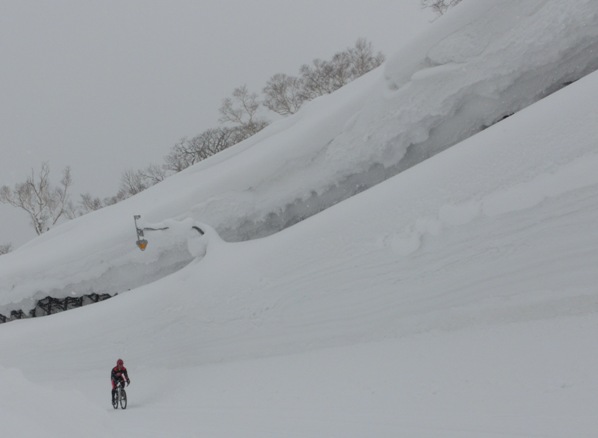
{"x":49,"y":306}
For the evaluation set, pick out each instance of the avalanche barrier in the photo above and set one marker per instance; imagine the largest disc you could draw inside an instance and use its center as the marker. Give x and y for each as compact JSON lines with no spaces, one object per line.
{"x":50,"y":305}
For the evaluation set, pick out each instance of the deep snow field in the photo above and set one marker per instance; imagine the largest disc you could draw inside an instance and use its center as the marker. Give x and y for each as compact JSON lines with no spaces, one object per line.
{"x":456,"y":299}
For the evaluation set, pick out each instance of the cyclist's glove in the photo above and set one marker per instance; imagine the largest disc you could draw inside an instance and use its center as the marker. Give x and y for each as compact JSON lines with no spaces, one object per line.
{"x":128,"y":382}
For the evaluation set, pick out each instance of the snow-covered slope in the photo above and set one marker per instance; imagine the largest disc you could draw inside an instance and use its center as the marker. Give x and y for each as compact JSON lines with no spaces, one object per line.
{"x":473,"y":68}
{"x":487,"y":224}
{"x":455,"y":299}
{"x":473,"y":272}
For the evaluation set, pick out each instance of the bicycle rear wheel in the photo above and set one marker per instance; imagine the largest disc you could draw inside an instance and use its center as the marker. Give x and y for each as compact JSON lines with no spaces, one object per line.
{"x":123,"y":399}
{"x":115,"y":401}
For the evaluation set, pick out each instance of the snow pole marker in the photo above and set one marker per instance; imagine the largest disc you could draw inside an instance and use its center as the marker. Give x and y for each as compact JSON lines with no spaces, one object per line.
{"x":141,"y":241}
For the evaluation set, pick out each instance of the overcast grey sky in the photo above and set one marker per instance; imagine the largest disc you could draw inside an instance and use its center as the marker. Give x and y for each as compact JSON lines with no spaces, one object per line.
{"x":105,"y":86}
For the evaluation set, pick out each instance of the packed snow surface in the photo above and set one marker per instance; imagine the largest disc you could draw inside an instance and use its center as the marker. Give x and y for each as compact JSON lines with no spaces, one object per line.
{"x":455,"y":299}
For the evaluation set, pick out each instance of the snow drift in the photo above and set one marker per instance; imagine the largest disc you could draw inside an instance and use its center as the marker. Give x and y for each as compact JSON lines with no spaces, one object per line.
{"x":472,"y":69}
{"x":463,"y":290}
{"x":456,"y":299}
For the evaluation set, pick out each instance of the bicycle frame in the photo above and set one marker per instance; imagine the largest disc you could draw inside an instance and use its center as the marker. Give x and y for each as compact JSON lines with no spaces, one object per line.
{"x":121,"y":396}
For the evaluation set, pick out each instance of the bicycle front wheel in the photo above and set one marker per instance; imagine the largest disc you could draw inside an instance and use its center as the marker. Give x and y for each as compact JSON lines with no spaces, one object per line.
{"x":123,"y":399}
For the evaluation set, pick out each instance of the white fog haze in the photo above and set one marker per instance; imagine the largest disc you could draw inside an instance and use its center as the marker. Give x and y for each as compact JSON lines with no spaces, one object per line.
{"x":109,"y":86}
{"x":412,"y":255}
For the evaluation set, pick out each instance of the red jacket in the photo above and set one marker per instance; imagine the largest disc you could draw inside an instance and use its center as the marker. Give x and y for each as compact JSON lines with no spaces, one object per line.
{"x":118,"y":373}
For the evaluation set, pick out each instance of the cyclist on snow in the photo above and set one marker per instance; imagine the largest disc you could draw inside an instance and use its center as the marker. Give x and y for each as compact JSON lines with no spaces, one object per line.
{"x":119,"y":374}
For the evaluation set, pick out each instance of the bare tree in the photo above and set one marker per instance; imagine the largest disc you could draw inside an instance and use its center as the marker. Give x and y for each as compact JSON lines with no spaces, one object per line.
{"x":316,"y":79}
{"x":215,"y":140}
{"x":241,"y":110}
{"x":153,"y":174}
{"x":136,"y":181}
{"x":90,"y":203}
{"x":439,"y":6}
{"x":132,"y":182}
{"x":180,"y":156}
{"x":363,"y":58}
{"x":340,"y":72}
{"x":44,"y":203}
{"x":121,"y":195}
{"x":324,"y":77}
{"x":190,"y":151}
{"x":284,"y":94}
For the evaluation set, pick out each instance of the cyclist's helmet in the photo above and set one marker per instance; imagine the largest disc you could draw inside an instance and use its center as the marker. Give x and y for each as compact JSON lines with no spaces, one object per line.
{"x":119,"y":363}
